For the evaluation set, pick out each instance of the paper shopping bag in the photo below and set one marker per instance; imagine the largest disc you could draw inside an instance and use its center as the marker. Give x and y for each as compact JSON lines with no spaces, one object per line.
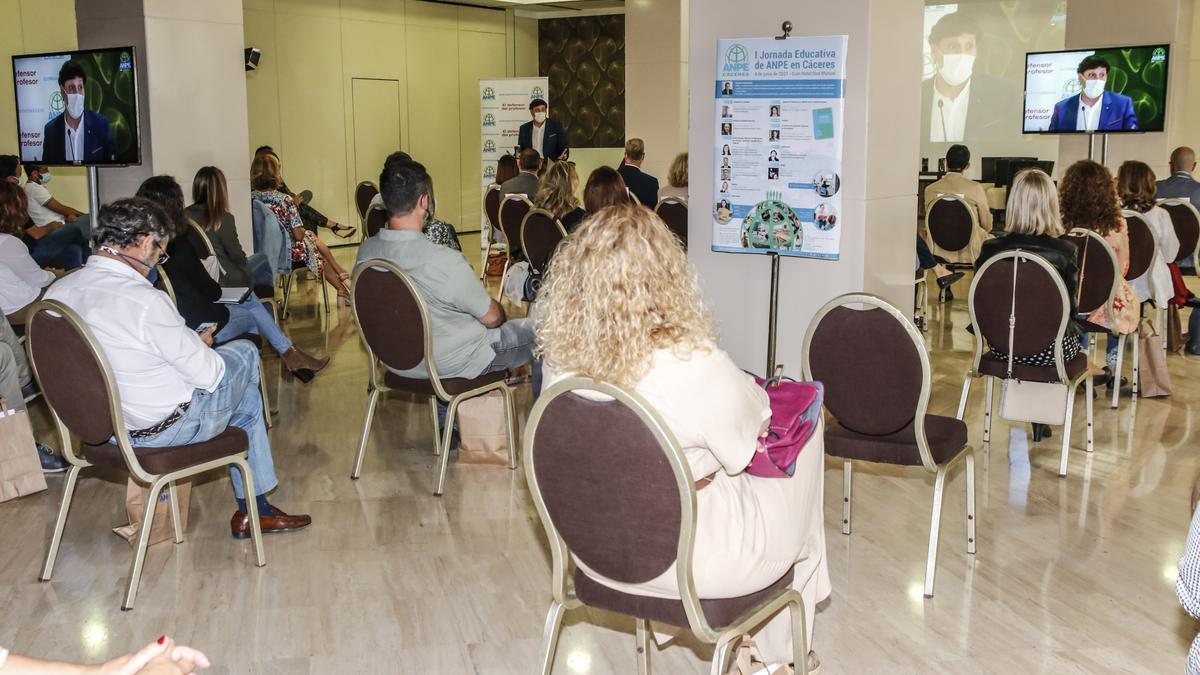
{"x":482,"y":430}
{"x":160,"y":527}
{"x":20,"y":468}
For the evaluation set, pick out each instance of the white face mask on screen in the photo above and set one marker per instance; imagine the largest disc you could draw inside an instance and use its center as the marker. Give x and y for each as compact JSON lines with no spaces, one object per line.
{"x":1093,"y":88}
{"x":75,"y":105}
{"x":956,"y":68}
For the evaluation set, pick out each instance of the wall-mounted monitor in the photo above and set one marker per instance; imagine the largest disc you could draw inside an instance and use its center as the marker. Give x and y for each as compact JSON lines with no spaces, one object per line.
{"x":78,"y":108}
{"x":1109,"y":90}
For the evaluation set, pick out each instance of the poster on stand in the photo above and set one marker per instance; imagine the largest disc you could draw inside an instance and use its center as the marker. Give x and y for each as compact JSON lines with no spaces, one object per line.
{"x":503,"y":108}
{"x":778,"y":146}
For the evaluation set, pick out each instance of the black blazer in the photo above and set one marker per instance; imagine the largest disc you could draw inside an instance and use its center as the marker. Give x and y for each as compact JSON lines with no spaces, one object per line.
{"x":98,"y":145}
{"x":572,"y":220}
{"x":227,"y":246}
{"x":641,"y":184}
{"x":196,"y":293}
{"x":554,"y":138}
{"x":1060,"y":253}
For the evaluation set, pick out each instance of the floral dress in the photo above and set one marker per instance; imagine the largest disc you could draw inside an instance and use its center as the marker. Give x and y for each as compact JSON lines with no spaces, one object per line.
{"x":1126,"y":307}
{"x":304,"y":250}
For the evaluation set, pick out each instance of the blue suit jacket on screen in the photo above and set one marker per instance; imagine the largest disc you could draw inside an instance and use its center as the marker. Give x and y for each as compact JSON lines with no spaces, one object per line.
{"x":98,"y":145}
{"x":1116,"y":115}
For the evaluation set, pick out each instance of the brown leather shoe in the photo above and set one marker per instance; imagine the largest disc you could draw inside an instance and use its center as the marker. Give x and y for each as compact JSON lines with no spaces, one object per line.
{"x":272,"y":523}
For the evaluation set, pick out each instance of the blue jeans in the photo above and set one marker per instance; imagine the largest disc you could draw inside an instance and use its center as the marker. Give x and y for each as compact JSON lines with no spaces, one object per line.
{"x":1193,"y":343}
{"x":260,"y":271}
{"x":64,"y":247}
{"x":251,"y":316}
{"x":236,"y":402}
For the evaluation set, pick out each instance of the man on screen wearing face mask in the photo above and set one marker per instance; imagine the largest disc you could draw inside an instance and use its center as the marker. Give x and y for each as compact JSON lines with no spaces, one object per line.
{"x":1093,"y":108}
{"x":958,"y":103}
{"x":77,"y":135}
{"x":543,"y":134}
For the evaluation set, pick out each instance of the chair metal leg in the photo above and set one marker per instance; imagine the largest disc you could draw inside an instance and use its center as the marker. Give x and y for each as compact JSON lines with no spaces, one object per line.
{"x":962,"y":399}
{"x":510,"y":419}
{"x":60,"y":523}
{"x":256,"y":535}
{"x":324,"y":292}
{"x":935,"y":525}
{"x":1116,"y":386}
{"x":287,"y":293}
{"x":550,"y":635}
{"x":176,"y":522}
{"x":143,"y":543}
{"x":503,"y":277}
{"x":643,"y":647}
{"x":1137,"y":361}
{"x":988,"y":390}
{"x":847,"y":481}
{"x":721,"y":650}
{"x":437,"y":433}
{"x":372,"y":401}
{"x":970,"y":459}
{"x":1090,"y":406}
{"x":1066,"y":432}
{"x":440,"y":486}
{"x":799,"y":636}
{"x":487,"y":251}
{"x":262,"y":388}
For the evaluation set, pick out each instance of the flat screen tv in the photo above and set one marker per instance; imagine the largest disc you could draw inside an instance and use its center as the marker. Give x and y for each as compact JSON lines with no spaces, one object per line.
{"x":78,"y":108}
{"x":1108,"y":90}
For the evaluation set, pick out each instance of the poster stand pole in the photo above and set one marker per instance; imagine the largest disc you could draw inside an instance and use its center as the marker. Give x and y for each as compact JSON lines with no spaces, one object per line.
{"x":773,"y":319}
{"x":1104,"y":149}
{"x":1092,"y":146}
{"x":93,"y":194}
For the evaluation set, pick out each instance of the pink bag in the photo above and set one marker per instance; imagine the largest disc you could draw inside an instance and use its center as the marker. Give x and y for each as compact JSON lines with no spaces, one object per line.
{"x":795,"y":412}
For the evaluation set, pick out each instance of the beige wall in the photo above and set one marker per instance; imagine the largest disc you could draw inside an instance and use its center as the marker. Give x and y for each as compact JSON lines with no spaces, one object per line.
{"x":27,"y":27}
{"x":881,"y":134}
{"x":656,"y":75}
{"x":301,"y":102}
{"x":1093,"y":23}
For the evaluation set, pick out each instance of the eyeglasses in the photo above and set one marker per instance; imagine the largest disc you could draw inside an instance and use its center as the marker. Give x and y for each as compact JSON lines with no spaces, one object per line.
{"x":164,"y":257}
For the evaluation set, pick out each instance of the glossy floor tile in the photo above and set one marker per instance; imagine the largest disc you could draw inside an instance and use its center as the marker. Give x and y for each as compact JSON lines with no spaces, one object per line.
{"x":1072,"y":575}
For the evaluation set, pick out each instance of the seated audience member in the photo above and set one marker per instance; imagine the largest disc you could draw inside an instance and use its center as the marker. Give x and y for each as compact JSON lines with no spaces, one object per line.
{"x":306,"y":248}
{"x":926,"y":261}
{"x":526,"y":181}
{"x":24,"y":279}
{"x":605,"y":187}
{"x":557,"y":195}
{"x":506,"y":167}
{"x":16,"y":383}
{"x":958,"y":160}
{"x":196,"y":292}
{"x":1136,"y":187}
{"x":1033,"y":224}
{"x":621,"y":305}
{"x":677,"y":179}
{"x":437,"y":231}
{"x":210,"y":209}
{"x":642,"y":185}
{"x":50,"y":241}
{"x":175,"y":389}
{"x":1181,"y":185}
{"x":471,"y":335}
{"x":161,"y":657}
{"x":1087,"y":195}
{"x":311,"y":217}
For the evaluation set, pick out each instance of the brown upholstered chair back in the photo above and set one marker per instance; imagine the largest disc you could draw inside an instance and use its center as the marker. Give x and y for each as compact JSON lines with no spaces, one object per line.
{"x":1040,"y":304}
{"x":607,"y":486}
{"x":389,"y":314}
{"x":870,"y":367}
{"x":363,"y":194}
{"x":541,"y":233}
{"x":1141,"y":245}
{"x":950,"y":223}
{"x":674,"y":213}
{"x":1187,"y":227}
{"x":377,"y":219}
{"x":74,"y":377}
{"x":491,"y":206}
{"x":1097,"y":271}
{"x":513,"y":210}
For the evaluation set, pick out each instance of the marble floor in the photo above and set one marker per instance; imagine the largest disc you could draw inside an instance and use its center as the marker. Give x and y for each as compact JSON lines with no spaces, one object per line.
{"x":1072,"y":575}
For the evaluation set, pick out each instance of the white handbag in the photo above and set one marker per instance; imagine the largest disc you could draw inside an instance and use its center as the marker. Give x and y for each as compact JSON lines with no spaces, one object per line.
{"x":1023,"y":401}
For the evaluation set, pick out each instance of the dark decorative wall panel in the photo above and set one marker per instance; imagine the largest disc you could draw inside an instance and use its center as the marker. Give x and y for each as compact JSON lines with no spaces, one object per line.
{"x":584,"y":58}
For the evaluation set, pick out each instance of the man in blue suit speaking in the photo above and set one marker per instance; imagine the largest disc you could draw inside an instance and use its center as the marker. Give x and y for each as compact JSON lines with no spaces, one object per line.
{"x":1093,"y":108}
{"x":77,"y":135}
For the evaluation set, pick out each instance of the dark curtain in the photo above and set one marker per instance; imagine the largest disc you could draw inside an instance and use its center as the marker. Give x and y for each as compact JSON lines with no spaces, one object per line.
{"x":584,"y":58}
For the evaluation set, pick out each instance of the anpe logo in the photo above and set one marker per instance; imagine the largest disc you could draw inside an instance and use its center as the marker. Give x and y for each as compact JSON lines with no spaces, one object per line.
{"x":737,"y":61}
{"x":489,"y":93}
{"x":56,"y":104}
{"x":489,"y":120}
{"x":489,"y":146}
{"x":536,"y":92}
{"x":489,"y":172}
{"x":1158,"y":55}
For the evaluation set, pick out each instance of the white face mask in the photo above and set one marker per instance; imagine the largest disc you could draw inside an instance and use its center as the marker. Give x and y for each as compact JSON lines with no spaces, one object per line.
{"x":956,"y":68}
{"x":75,"y":105}
{"x":539,"y":117}
{"x":1093,"y":88}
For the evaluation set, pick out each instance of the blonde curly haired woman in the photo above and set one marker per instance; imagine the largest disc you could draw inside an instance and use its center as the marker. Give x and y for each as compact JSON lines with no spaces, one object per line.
{"x":621,"y":305}
{"x":558,"y":195}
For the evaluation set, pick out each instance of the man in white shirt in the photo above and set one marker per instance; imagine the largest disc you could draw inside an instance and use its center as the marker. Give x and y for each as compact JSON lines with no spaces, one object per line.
{"x":175,"y":389}
{"x":50,"y":242}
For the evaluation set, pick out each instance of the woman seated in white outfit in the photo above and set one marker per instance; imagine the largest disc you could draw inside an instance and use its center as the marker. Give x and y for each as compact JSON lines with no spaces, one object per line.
{"x":23,"y":280}
{"x":1136,"y":187}
{"x":621,"y":305}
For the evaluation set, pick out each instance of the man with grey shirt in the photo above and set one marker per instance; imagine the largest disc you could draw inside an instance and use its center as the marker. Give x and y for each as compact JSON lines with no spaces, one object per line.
{"x":526,"y":182}
{"x":470,"y":331}
{"x":1181,"y":185}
